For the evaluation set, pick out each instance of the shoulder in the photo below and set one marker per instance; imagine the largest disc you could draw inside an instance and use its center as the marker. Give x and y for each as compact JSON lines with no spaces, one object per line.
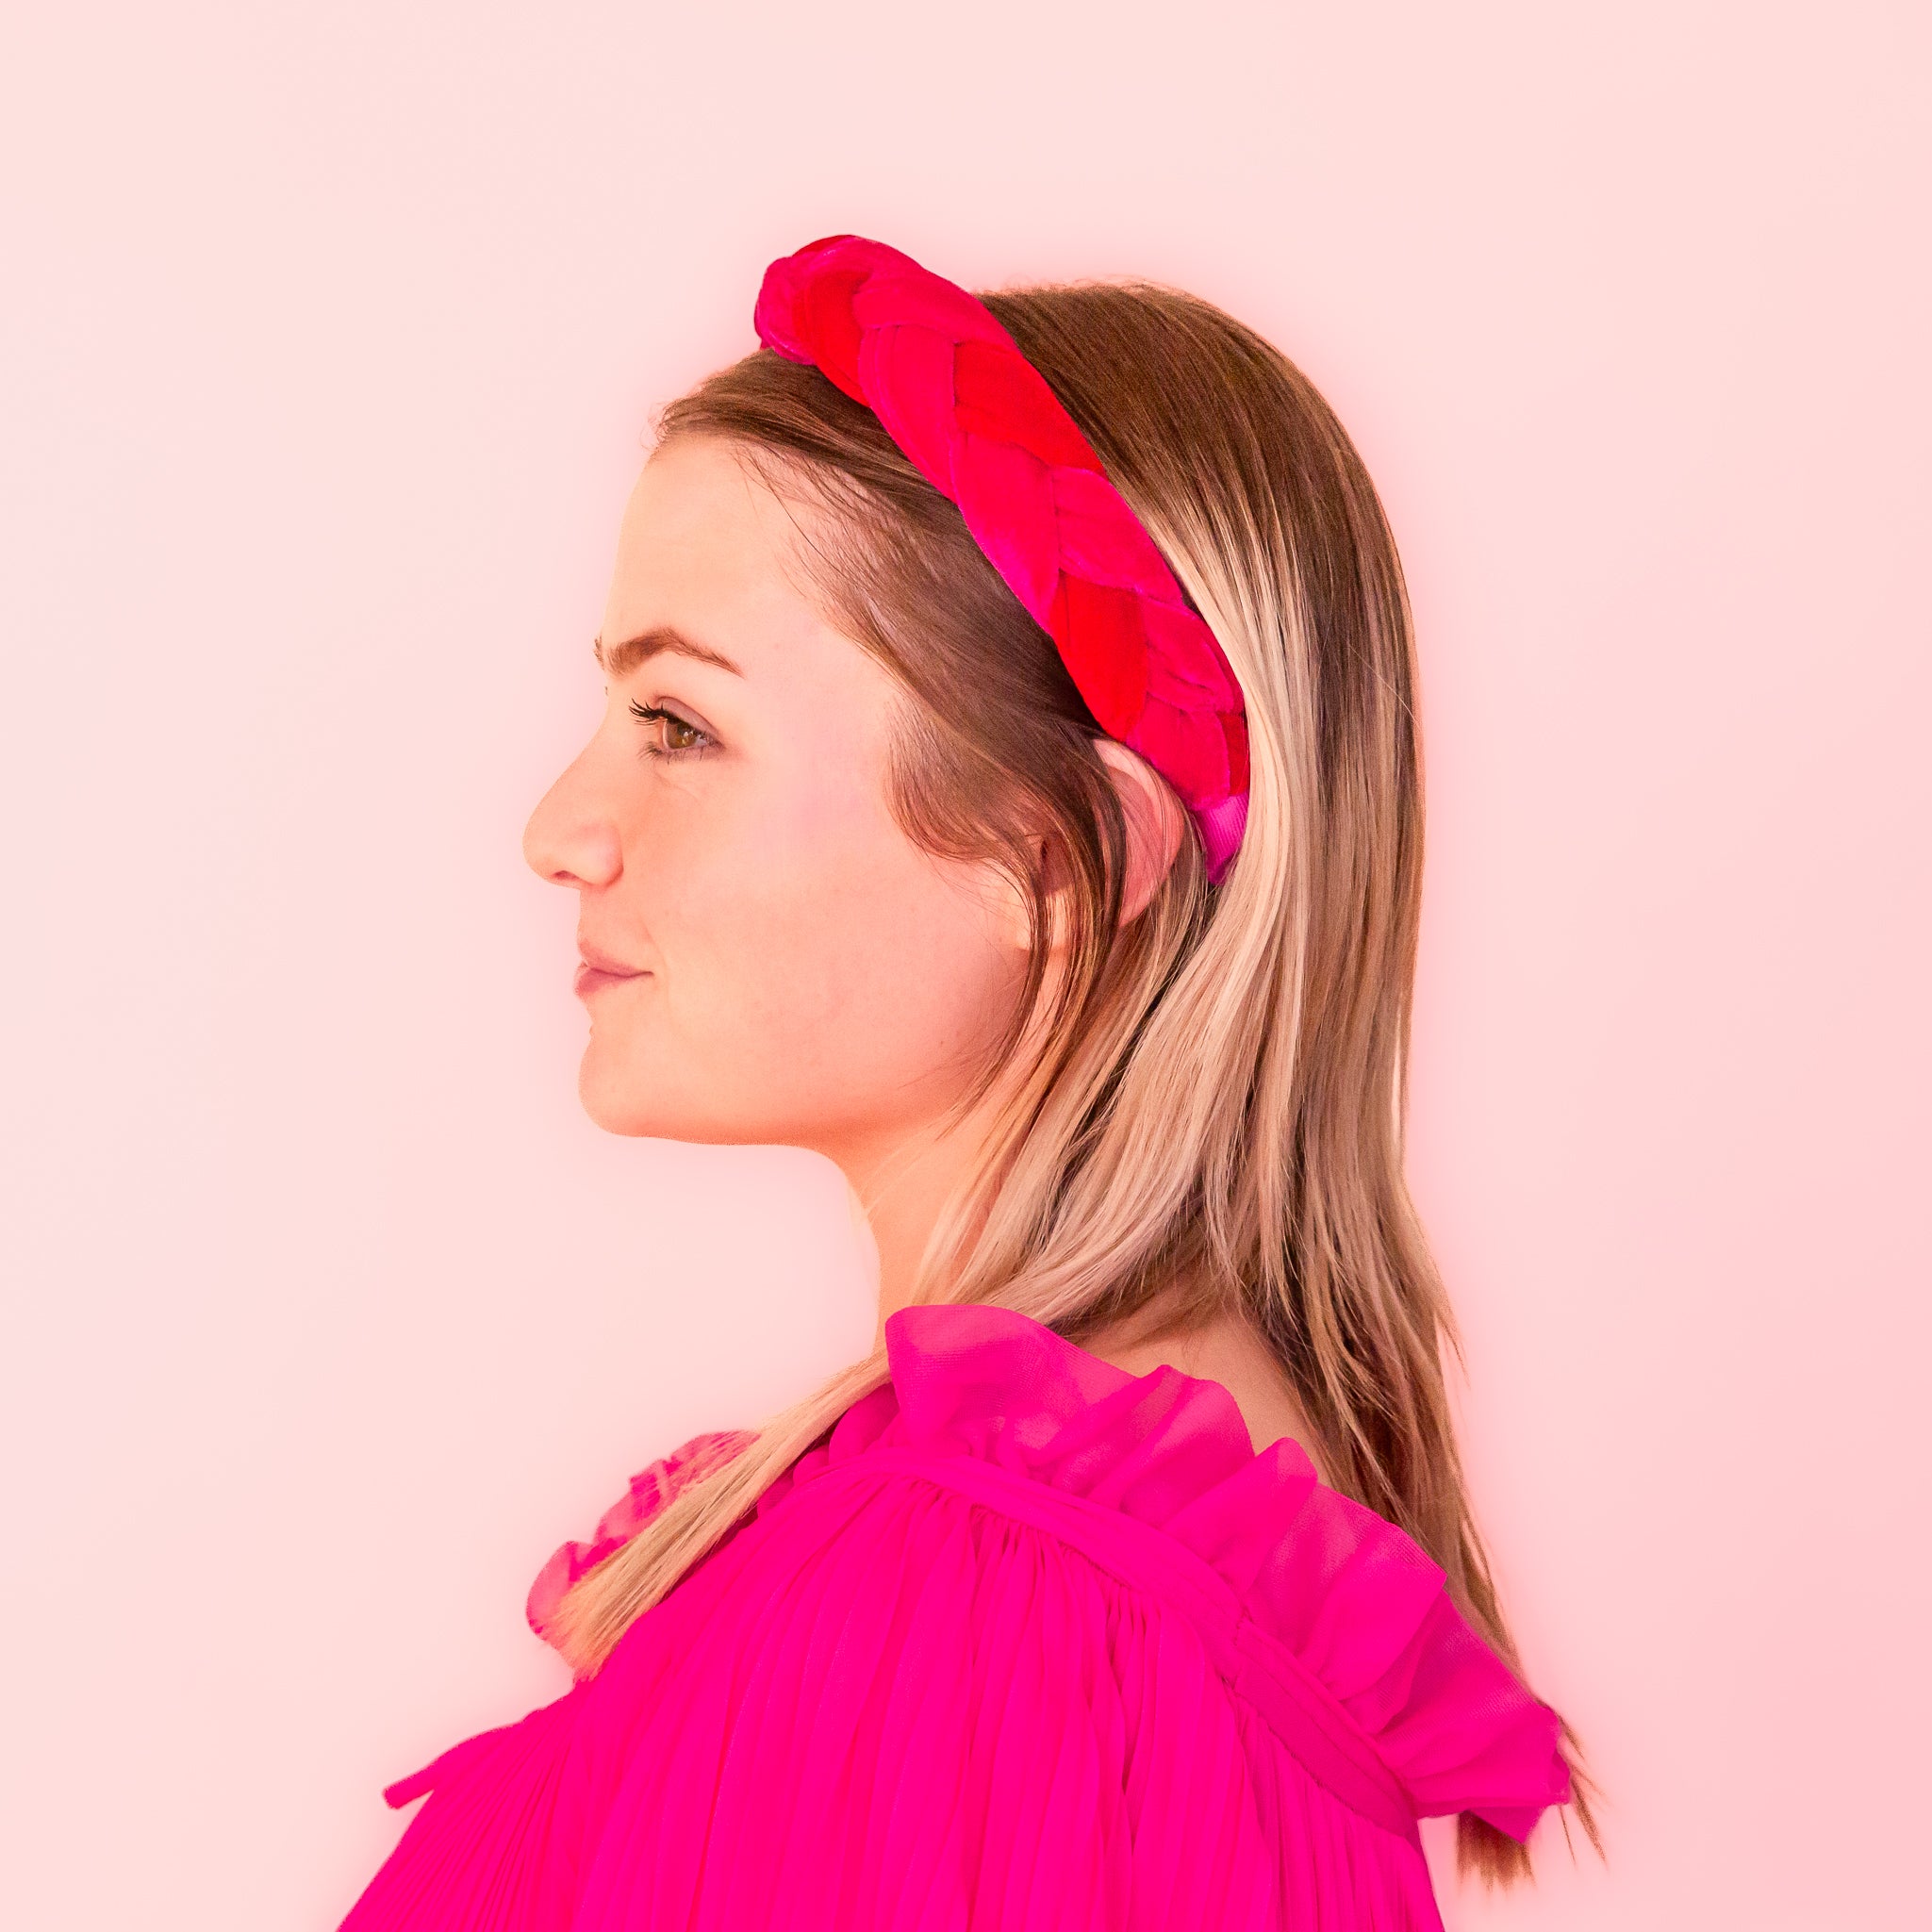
{"x":1021,"y":1628}
{"x":1126,"y":1524}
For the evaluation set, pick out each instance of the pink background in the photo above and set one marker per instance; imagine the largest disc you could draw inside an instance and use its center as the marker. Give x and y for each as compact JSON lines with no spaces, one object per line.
{"x":332,"y":334}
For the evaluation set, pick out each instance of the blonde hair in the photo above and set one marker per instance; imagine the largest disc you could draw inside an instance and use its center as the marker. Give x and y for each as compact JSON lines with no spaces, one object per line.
{"x":1212,"y":1114}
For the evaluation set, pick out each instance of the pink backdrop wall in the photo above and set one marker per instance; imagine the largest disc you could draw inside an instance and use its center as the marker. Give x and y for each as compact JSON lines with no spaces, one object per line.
{"x":331,"y":335}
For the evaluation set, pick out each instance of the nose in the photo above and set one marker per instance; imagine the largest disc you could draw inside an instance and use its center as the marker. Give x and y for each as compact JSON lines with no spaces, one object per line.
{"x":569,"y":839}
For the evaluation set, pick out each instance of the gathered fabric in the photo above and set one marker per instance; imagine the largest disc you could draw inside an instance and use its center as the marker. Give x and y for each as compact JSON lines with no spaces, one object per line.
{"x":1025,"y":1642}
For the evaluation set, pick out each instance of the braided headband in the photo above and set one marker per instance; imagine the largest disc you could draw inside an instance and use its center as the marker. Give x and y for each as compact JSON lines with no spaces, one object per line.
{"x":980,"y":423}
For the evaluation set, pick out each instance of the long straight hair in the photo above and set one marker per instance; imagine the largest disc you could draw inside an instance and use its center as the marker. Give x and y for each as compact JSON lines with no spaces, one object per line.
{"x":1212,"y":1112}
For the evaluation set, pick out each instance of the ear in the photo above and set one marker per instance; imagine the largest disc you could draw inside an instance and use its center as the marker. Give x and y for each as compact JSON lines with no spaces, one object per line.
{"x":1156,"y":823}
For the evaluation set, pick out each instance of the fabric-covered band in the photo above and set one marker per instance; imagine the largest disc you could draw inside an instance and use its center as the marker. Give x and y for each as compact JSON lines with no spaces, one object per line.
{"x":981,"y":424}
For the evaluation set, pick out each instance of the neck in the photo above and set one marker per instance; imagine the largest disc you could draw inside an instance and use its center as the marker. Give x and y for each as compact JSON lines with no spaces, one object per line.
{"x":900,"y":1184}
{"x":899,"y":1187}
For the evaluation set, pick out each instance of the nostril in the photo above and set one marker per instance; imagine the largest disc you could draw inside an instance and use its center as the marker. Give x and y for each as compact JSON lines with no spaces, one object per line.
{"x":583,"y":857}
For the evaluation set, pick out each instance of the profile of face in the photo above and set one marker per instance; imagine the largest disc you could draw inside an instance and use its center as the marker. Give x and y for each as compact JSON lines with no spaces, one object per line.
{"x":768,"y":958}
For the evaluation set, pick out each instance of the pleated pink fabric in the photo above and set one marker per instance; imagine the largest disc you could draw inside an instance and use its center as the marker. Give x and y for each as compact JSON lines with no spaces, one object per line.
{"x":1025,"y":1642}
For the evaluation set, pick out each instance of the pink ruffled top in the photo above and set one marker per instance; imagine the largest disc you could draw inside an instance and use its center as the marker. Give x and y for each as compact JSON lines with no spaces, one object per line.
{"x":1025,"y":1642}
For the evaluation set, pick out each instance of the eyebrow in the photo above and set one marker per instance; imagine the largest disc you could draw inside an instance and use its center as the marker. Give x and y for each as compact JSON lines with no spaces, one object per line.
{"x":620,"y":660}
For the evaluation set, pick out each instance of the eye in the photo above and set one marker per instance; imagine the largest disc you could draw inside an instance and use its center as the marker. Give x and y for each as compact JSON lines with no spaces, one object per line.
{"x":677,"y":737}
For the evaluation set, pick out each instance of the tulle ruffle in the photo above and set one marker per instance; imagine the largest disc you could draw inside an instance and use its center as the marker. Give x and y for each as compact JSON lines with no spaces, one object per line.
{"x":650,"y":1490}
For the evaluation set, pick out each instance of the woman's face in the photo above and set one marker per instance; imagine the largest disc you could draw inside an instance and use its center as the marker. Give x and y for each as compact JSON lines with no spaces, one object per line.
{"x":770,"y":959}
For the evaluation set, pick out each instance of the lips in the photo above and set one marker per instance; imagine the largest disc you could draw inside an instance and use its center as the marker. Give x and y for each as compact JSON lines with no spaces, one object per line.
{"x":601,"y":962}
{"x":599,"y":969}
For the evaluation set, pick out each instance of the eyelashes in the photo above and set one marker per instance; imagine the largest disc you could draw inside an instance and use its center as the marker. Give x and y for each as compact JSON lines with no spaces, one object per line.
{"x":678,"y":737}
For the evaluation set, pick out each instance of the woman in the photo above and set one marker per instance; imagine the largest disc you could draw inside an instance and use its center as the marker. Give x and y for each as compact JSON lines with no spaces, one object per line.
{"x":1008,"y":787}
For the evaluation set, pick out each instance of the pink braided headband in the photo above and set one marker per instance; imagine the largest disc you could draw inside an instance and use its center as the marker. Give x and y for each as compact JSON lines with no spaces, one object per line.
{"x":980,"y":423}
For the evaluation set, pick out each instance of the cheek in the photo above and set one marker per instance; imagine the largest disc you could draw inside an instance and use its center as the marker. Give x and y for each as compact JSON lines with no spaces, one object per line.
{"x":827,"y":959}
{"x":829,"y":941}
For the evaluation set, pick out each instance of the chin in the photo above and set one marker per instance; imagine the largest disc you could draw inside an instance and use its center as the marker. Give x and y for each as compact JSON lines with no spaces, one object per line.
{"x":628,"y":1101}
{"x":616,"y":1104}
{"x":635,"y":1101}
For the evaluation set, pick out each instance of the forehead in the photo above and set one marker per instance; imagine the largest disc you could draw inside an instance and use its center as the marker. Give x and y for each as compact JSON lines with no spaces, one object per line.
{"x":710,"y":552}
{"x":699,"y":530}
